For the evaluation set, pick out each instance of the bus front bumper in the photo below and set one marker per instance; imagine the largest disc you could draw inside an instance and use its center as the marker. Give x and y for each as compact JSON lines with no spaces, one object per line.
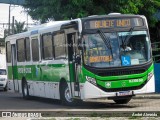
{"x":89,"y":91}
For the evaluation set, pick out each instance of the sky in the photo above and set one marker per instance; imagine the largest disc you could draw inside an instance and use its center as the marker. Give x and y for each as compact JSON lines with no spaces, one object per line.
{"x":16,"y":11}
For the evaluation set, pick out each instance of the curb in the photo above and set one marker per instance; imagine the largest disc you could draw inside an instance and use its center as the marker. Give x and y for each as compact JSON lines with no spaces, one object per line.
{"x":147,"y":96}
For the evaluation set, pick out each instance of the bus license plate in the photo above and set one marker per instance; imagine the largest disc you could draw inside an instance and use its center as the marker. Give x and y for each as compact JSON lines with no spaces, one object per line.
{"x":124,"y":93}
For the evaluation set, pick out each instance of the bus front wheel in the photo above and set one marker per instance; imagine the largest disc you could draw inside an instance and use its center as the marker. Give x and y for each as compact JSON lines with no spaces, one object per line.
{"x":66,"y":97}
{"x":5,"y":88}
{"x":25,"y":90}
{"x":122,"y":101}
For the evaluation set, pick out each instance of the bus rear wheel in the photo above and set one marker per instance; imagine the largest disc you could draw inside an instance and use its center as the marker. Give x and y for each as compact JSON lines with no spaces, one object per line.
{"x":122,"y":101}
{"x":25,"y":90}
{"x":66,"y":97}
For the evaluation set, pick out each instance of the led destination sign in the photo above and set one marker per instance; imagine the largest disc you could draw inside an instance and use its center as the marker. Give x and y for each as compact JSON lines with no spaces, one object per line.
{"x":113,"y":23}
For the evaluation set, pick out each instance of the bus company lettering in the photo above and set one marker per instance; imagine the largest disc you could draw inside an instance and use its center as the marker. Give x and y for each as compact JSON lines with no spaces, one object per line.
{"x":112,"y":23}
{"x":24,"y":70}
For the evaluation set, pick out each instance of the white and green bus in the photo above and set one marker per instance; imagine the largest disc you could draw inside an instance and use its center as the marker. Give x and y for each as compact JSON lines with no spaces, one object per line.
{"x":106,"y":56}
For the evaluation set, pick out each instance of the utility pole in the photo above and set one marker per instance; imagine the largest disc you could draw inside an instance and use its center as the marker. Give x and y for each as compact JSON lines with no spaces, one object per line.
{"x":9,"y":19}
{"x":12,"y":24}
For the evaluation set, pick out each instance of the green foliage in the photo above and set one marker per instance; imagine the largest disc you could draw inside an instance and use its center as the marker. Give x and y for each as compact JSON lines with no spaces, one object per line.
{"x":45,"y":10}
{"x":19,"y":27}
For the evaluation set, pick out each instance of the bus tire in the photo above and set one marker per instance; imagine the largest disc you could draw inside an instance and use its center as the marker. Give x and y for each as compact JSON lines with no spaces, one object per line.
{"x":122,"y":101}
{"x":25,"y":90}
{"x":65,"y":95}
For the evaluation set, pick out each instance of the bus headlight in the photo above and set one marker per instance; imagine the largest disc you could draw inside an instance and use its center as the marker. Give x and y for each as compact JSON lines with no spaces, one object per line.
{"x":91,"y":80}
{"x":150,"y":75}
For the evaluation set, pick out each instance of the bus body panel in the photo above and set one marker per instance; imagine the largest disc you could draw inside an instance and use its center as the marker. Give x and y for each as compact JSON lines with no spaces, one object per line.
{"x":44,"y":76}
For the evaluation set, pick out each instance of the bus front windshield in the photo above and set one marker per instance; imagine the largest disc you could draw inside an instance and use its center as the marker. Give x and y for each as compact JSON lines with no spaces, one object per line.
{"x":116,"y":49}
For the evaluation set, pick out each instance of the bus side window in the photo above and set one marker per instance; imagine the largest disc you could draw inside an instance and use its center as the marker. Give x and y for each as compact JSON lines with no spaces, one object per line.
{"x":20,"y":50}
{"x":8,"y":51}
{"x":59,"y":46}
{"x":35,"y":50}
{"x":27,"y":49}
{"x":47,"y":46}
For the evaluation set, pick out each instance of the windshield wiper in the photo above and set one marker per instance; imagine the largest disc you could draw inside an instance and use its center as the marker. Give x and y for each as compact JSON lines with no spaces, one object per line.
{"x":127,"y":37}
{"x":130,"y":32}
{"x":105,"y":39}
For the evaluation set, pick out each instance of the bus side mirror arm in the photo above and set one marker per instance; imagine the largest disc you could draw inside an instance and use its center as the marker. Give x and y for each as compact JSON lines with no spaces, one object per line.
{"x":78,"y":59}
{"x":79,"y":44}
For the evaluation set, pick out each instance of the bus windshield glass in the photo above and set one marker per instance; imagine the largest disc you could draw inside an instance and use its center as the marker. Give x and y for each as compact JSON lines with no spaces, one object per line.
{"x":126,"y":49}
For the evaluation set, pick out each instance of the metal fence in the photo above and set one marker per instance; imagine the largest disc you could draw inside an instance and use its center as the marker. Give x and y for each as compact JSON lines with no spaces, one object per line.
{"x":156,"y":59}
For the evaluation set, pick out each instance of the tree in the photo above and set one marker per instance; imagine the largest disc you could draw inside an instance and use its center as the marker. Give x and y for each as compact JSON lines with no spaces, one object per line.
{"x":45,"y":10}
{"x":19,"y":27}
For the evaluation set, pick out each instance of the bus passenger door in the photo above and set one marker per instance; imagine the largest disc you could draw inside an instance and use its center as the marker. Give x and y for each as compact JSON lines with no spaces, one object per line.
{"x":36,"y":87}
{"x":14,"y":67}
{"x":73,"y":66}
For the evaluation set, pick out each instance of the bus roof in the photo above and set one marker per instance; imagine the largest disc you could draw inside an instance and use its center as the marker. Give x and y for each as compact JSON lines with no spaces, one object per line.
{"x":111,"y":16}
{"x":47,"y":27}
{"x":56,"y":25}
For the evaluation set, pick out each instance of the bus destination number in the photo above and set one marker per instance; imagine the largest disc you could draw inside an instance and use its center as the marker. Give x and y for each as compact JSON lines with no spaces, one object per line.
{"x":135,"y":80}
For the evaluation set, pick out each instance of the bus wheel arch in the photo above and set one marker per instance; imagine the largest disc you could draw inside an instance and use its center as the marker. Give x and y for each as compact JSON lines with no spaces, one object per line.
{"x":25,"y":90}
{"x":65,"y":93}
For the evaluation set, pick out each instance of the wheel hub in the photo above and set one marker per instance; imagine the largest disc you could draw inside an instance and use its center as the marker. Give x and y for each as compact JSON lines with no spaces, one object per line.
{"x":67,"y":95}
